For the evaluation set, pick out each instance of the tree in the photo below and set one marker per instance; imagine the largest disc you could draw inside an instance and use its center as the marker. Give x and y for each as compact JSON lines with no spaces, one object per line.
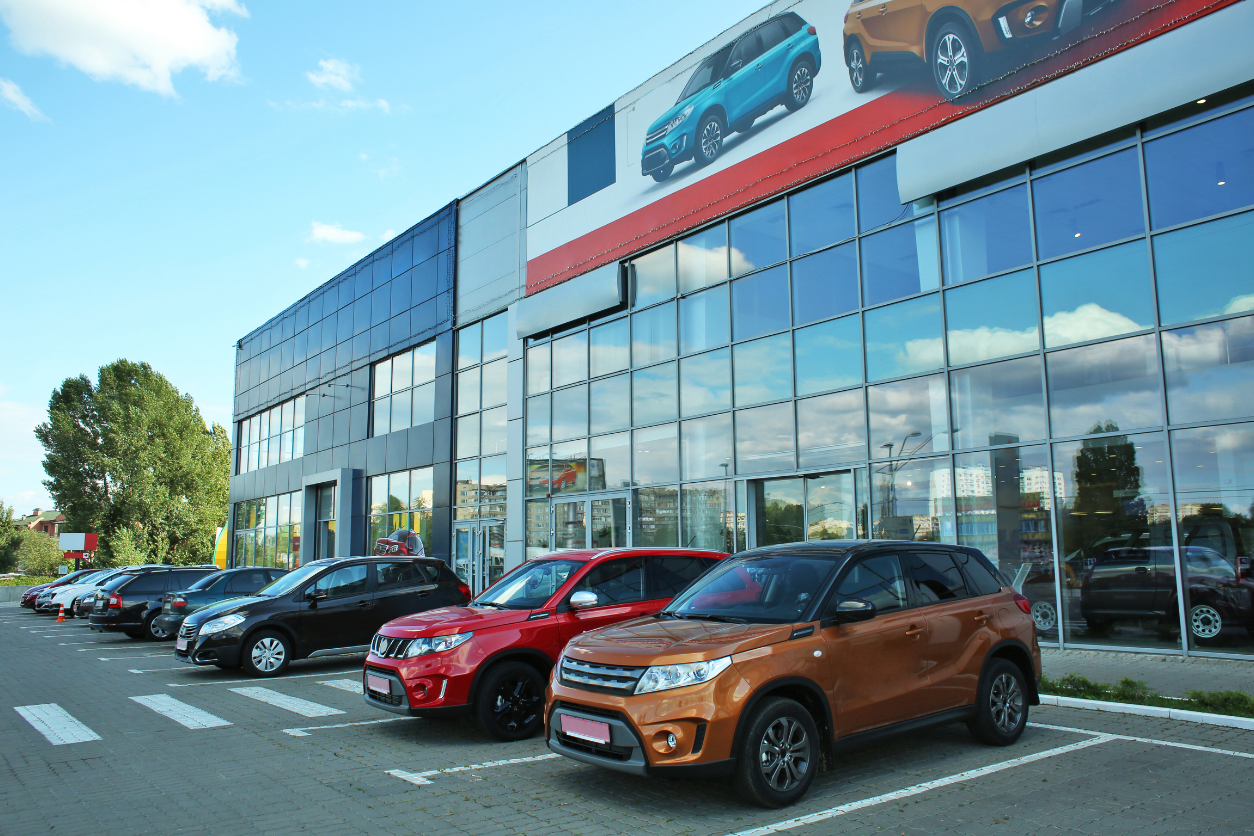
{"x":9,"y":541}
{"x":132,"y":454}
{"x":38,"y":554}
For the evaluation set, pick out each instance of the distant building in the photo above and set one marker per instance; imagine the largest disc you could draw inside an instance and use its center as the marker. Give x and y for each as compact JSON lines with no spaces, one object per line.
{"x":45,"y":522}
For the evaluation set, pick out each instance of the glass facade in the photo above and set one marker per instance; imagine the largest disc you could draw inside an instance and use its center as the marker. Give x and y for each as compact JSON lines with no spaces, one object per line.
{"x":402,"y":500}
{"x":271,"y":437}
{"x":479,"y":488}
{"x":267,"y":531}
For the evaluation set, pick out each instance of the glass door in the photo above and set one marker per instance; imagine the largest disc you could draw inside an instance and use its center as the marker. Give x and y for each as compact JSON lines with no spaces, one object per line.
{"x":479,"y":553}
{"x":825,"y":506}
{"x":601,"y":522}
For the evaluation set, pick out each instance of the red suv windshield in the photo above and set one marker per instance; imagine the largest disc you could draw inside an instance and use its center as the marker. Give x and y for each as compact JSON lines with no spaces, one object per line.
{"x":529,"y":586}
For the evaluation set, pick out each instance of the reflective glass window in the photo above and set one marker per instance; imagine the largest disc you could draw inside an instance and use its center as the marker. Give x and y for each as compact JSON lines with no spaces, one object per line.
{"x":760,"y":303}
{"x":656,"y":517}
{"x":466,"y":482}
{"x":493,"y":431}
{"x":831,"y":429}
{"x":538,"y":420}
{"x":495,"y":389}
{"x":1210,"y":369}
{"x":765,"y":438}
{"x":653,"y":335}
{"x":908,"y":417}
{"x":762,"y":370}
{"x":467,"y":391}
{"x":493,"y":485}
{"x":469,"y":344}
{"x":1096,"y":295}
{"x":828,"y":355}
{"x":402,"y":371}
{"x":537,"y":528}
{"x":904,"y":338}
{"x":825,"y":284}
{"x":538,"y":471}
{"x":993,"y":318}
{"x":706,"y":446}
{"x":705,"y":383}
{"x":1088,"y":205}
{"x":780,"y":511}
{"x":1104,"y":387}
{"x":570,"y":467}
{"x":570,"y":412}
{"x":758,"y":238}
{"x":821,"y":215}
{"x":702,"y":258}
{"x":570,"y":359}
{"x":655,"y":454}
{"x":382,"y":416}
{"x":424,"y":363}
{"x":899,"y":262}
{"x":653,"y":394}
{"x":653,"y":277}
{"x":608,"y":347}
{"x":985,"y":236}
{"x":708,"y":515}
{"x":382,"y":378}
{"x":538,"y":372}
{"x":1001,"y":403}
{"x":912,"y":499}
{"x":423,"y":404}
{"x":1205,"y":270}
{"x":495,"y":337}
{"x":704,"y":321}
{"x":400,"y":411}
{"x":879,"y":201}
{"x":607,"y":399}
{"x":468,"y":436}
{"x":830,"y":507}
{"x":1201,"y":171}
{"x":609,"y":461}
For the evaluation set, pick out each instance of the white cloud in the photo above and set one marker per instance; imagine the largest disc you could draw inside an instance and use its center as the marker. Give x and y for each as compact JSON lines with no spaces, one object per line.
{"x":302,"y":263}
{"x":335,"y":73}
{"x":388,"y":235}
{"x":1240,"y":304}
{"x":365,"y":104}
{"x":138,"y":42}
{"x":333,"y":234}
{"x":344,"y":106}
{"x":13,"y":96}
{"x":1090,"y":321}
{"x":971,"y":345}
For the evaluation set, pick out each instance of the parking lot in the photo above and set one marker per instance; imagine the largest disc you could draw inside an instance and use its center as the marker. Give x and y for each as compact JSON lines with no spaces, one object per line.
{"x":101,"y":731}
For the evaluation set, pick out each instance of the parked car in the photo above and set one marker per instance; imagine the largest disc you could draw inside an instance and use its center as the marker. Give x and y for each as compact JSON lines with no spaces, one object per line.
{"x":402,"y":541}
{"x":30,"y":595}
{"x":131,"y":601}
{"x":779,"y":656}
{"x":51,"y":600}
{"x":951,"y":38}
{"x":211,"y":589}
{"x":328,"y":607}
{"x":490,"y":657}
{"x":774,"y":63}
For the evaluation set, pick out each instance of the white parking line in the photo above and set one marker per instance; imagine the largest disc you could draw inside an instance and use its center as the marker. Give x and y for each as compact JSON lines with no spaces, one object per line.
{"x":124,"y":658}
{"x":296,"y":705}
{"x":1173,"y":744}
{"x":422,"y":777}
{"x":351,"y":685}
{"x":152,"y":670}
{"x":305,"y":730}
{"x":180,"y":712}
{"x":237,"y":681}
{"x":56,"y":724}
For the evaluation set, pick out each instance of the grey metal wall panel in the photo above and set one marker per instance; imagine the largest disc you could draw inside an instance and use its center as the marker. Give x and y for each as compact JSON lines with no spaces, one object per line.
{"x":582,"y":296}
{"x":1120,"y":90}
{"x":490,"y":230}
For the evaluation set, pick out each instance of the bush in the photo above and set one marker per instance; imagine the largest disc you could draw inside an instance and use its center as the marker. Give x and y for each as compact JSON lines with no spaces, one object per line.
{"x":1236,"y":703}
{"x":39,"y":554}
{"x":27,"y":580}
{"x":1136,"y":692}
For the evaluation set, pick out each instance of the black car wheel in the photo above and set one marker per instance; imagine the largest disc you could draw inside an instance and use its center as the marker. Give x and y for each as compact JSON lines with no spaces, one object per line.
{"x":1001,"y":704}
{"x":1205,"y":624}
{"x":800,"y":85}
{"x":710,"y":136}
{"x":266,"y":654}
{"x":510,"y":703}
{"x":780,"y":753}
{"x":861,"y":76}
{"x":955,"y":57}
{"x":154,"y":632}
{"x":663,"y":172}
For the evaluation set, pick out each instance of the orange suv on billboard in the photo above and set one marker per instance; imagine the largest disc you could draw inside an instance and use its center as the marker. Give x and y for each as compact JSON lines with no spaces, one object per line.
{"x":951,"y":37}
{"x":776,"y":658}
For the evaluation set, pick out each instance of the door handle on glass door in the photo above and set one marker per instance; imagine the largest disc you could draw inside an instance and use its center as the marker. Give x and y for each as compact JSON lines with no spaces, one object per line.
{"x":914,"y":632}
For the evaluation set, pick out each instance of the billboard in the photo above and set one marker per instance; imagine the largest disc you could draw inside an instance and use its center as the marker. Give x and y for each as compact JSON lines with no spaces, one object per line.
{"x":796,"y":90}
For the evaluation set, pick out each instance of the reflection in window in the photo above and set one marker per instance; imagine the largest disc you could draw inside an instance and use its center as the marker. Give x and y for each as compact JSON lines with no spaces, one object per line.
{"x":538,"y":420}
{"x":570,"y":412}
{"x":1001,"y":403}
{"x":708,"y":516}
{"x":1088,"y":205}
{"x":705,"y":383}
{"x":780,"y":511}
{"x":408,"y":407}
{"x":706,"y":447}
{"x":653,"y":335}
{"x":828,"y":355}
{"x":1209,"y":370}
{"x":986,"y":236}
{"x":912,"y":500}
{"x":653,"y":394}
{"x":653,"y":277}
{"x":468,"y":435}
{"x":495,"y":390}
{"x":538,"y":379}
{"x":609,"y":462}
{"x":569,"y":467}
{"x":904,"y":338}
{"x":821,"y":215}
{"x":655,"y":454}
{"x":1104,"y":387}
{"x":467,"y":391}
{"x":570,"y":359}
{"x":760,"y":303}
{"x":1100,"y":294}
{"x":704,"y":321}
{"x":492,"y":486}
{"x":830,"y":507}
{"x":608,"y":348}
{"x":493,"y":431}
{"x":762,"y":370}
{"x":825,"y":284}
{"x":656,"y":517}
{"x":607,"y":398}
{"x":469,"y":345}
{"x":702,"y":259}
{"x":466,"y":484}
{"x":1205,"y":270}
{"x":908,"y":417}
{"x":274,"y":436}
{"x":900,"y":262}
{"x":993,"y":318}
{"x":537,"y":528}
{"x":765,"y":439}
{"x":758,"y":238}
{"x":831,"y":429}
{"x":1201,"y":171}
{"x":538,"y":471}
{"x":495,"y":337}
{"x":879,"y":201}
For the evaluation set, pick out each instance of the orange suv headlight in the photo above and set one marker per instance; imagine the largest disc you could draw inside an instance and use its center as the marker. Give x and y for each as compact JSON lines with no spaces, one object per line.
{"x":665,"y":677}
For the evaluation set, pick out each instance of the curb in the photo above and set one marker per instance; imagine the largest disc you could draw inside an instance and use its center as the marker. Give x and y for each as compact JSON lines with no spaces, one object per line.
{"x":1151,"y":711}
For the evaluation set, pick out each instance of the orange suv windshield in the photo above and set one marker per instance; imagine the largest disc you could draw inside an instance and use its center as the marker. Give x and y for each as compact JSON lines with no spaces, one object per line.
{"x":775,"y":589}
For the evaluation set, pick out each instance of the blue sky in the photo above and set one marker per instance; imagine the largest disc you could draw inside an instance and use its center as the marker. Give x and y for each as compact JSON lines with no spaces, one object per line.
{"x":177,"y":171}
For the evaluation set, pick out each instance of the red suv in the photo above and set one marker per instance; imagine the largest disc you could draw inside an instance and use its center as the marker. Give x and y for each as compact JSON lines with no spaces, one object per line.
{"x":492,"y":657}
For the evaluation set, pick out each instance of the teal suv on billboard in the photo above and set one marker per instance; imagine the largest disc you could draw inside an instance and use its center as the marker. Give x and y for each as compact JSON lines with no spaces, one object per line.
{"x":773,"y":63}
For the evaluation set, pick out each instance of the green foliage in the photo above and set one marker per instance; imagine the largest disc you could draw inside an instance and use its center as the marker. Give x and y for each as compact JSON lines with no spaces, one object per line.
{"x":39,"y":554}
{"x":1237,"y":703}
{"x":1136,"y":692}
{"x":8,"y":540}
{"x":27,"y":580}
{"x":132,"y":454}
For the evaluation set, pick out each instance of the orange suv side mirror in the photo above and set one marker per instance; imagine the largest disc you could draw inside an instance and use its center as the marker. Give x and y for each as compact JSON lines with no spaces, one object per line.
{"x":851,"y":610}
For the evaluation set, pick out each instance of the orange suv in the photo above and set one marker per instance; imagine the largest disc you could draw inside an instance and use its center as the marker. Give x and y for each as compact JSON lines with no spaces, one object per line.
{"x":779,"y":656}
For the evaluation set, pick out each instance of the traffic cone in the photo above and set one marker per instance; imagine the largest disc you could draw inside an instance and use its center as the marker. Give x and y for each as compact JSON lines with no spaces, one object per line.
{"x":61,"y":615}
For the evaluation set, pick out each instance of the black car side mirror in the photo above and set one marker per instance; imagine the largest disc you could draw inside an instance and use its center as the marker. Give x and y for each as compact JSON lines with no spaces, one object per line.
{"x":852,"y":610}
{"x":315,"y":595}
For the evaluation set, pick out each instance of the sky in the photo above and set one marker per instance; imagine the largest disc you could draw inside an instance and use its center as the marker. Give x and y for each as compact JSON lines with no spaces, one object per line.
{"x":175,"y":172}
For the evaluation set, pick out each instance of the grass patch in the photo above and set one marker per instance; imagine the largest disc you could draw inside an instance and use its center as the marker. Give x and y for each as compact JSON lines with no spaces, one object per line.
{"x":1126,"y":690}
{"x":25,"y":581}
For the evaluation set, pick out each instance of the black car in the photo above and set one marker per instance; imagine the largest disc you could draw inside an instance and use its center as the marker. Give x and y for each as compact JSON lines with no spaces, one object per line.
{"x":212,"y":589}
{"x":130,"y":602}
{"x":328,"y":607}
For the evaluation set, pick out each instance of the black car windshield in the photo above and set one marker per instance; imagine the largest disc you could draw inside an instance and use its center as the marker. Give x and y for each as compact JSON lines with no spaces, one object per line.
{"x":206,"y":582}
{"x":290,"y":581}
{"x":771,"y":589}
{"x":529,"y":586}
{"x":707,"y":72}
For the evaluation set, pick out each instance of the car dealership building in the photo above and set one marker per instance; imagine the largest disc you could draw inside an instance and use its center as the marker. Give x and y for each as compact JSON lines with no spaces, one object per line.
{"x":1021,"y":320}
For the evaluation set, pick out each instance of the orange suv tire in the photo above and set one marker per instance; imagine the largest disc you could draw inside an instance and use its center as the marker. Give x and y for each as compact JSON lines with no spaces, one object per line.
{"x":780,"y":753}
{"x":1001,"y":704}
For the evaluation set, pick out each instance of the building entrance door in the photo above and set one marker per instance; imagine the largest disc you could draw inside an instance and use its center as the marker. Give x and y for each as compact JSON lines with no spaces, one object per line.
{"x":479,"y":553}
{"x":823,"y":506}
{"x":599,"y":522}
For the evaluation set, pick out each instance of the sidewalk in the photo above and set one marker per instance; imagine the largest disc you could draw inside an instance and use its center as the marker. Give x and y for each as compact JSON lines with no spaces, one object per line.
{"x":1170,"y":676}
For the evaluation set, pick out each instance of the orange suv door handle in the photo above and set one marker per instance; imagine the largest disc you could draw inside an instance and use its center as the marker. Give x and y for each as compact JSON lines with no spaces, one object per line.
{"x":983,"y":617}
{"x":914,"y":632}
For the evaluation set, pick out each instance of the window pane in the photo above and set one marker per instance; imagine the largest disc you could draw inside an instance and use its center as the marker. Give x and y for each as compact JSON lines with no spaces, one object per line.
{"x":762,"y":370}
{"x":424,"y":404}
{"x":400,"y":410}
{"x":900,"y":262}
{"x":570,"y":412}
{"x":1088,"y":205}
{"x":654,"y":277}
{"x":1209,"y":370}
{"x":877,"y":579}
{"x":1115,"y":522}
{"x":879,"y":202}
{"x":570,"y":467}
{"x":1214,"y":494}
{"x":825,"y":284}
{"x":757,"y":238}
{"x":608,"y":398}
{"x":608,"y":346}
{"x":704,"y":321}
{"x":466,"y":488}
{"x":993,"y":318}
{"x":467,"y":391}
{"x":821,"y":215}
{"x":828,"y":355}
{"x":1105,"y":387}
{"x":402,"y":371}
{"x":830,"y":507}
{"x":495,"y":337}
{"x":656,"y":517}
{"x":1201,"y":171}
{"x":398,"y":491}
{"x":908,"y":417}
{"x":468,"y":345}
{"x":538,"y":420}
{"x":494,"y":383}
{"x":538,"y":379}
{"x":985,"y":236}
{"x":708,"y":512}
{"x":382,"y":378}
{"x":655,"y":454}
{"x":703,"y":259}
{"x":468,"y":435}
{"x":765,"y":439}
{"x":609,"y":461}
{"x":706,"y":447}
{"x":760,"y":303}
{"x":382,"y":416}
{"x":705,"y":383}
{"x":1001,"y":403}
{"x":831,"y":429}
{"x":537,"y":528}
{"x":570,"y":359}
{"x":904,"y":338}
{"x":653,"y":335}
{"x":780,"y":512}
{"x":1101,"y":294}
{"x":538,"y":471}
{"x":1205,"y":270}
{"x":421,"y":488}
{"x":493,"y":431}
{"x":424,"y":363}
{"x":912,"y":500}
{"x":653,"y":394}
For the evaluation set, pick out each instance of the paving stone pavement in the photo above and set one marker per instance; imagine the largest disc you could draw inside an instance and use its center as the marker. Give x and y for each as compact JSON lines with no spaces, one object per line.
{"x":150,"y":774}
{"x":1171,"y":676}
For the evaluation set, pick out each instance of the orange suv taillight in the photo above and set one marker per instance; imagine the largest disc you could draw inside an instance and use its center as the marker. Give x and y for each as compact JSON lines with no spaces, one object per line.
{"x":1023,"y":603}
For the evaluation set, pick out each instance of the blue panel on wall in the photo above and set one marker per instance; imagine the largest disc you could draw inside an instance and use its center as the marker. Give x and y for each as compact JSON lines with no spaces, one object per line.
{"x":590,"y":156}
